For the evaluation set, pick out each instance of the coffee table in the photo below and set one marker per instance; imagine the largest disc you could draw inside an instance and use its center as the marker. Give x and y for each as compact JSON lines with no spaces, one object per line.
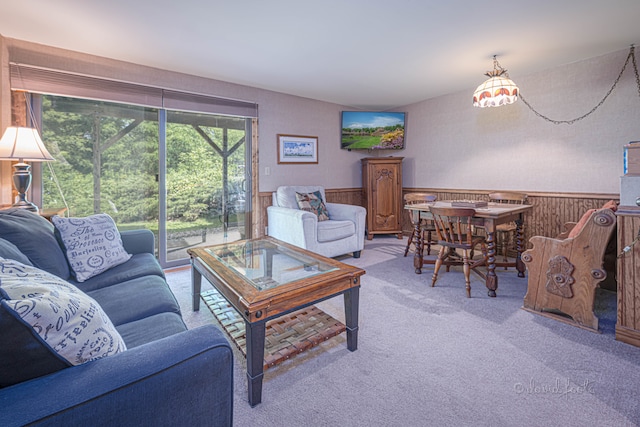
{"x":264,"y":279}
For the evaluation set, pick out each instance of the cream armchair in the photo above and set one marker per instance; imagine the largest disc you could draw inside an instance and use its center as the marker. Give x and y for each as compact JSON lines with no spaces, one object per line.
{"x":343,"y":233}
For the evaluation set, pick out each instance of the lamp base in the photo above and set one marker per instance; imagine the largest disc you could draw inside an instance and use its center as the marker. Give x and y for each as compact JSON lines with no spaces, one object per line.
{"x":25,"y":204}
{"x":22,"y":181}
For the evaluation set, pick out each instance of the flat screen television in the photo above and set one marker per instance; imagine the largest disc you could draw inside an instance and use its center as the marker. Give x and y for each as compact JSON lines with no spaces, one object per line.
{"x":372,"y":130}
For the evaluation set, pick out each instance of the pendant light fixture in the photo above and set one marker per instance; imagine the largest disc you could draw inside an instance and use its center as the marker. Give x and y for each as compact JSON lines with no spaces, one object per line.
{"x":498,"y":90}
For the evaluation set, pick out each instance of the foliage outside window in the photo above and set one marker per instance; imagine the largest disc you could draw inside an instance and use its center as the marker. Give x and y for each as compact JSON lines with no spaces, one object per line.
{"x":107,"y":160}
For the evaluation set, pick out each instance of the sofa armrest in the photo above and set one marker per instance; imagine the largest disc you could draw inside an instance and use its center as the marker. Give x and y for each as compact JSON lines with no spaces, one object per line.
{"x":183,"y":379}
{"x":138,"y":241}
{"x":293,"y":226}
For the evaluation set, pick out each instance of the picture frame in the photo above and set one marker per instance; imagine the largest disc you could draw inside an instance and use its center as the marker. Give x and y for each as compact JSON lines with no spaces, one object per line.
{"x":297,"y":149}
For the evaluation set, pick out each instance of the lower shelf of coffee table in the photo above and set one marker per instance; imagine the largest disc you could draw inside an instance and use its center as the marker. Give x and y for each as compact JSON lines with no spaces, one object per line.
{"x":285,"y":336}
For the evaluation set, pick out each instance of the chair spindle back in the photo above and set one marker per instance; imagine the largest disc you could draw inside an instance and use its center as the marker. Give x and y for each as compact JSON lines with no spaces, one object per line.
{"x":454,"y":226}
{"x":509,"y":197}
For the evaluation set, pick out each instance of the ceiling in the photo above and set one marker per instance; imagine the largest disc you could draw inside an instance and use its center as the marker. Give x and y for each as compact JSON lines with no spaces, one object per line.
{"x":369,"y":54}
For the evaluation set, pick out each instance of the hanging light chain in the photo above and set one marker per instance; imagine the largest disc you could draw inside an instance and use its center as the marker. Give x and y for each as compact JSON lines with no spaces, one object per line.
{"x":497,"y":68}
{"x":635,"y":67}
{"x":631,"y":57}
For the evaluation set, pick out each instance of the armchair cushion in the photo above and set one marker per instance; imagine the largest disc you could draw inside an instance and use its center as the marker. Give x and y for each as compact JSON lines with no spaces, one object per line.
{"x":328,"y":231}
{"x":312,"y":202}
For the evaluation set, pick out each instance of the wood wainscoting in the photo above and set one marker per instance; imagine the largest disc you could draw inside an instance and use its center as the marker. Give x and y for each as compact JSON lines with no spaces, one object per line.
{"x":549,"y":214}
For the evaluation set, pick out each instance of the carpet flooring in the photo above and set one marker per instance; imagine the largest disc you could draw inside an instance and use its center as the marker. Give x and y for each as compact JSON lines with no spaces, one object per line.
{"x":432,"y":357}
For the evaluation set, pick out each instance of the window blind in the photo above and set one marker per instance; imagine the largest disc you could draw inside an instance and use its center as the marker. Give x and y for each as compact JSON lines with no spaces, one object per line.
{"x":182,"y":101}
{"x":61,"y":83}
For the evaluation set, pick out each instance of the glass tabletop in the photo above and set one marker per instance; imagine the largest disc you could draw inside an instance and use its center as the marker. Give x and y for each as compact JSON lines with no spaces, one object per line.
{"x":265,"y":265}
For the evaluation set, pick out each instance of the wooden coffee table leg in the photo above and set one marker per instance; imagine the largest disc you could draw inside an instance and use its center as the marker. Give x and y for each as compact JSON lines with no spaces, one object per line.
{"x":351,"y":301}
{"x":255,"y":359}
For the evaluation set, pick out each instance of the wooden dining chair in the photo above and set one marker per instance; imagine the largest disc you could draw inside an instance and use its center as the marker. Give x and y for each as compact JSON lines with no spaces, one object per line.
{"x":454,"y":230}
{"x":426,"y":225}
{"x":505,"y":233}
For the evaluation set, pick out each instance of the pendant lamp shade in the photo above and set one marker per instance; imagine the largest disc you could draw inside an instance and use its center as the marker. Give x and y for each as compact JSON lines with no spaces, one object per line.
{"x":497,"y":90}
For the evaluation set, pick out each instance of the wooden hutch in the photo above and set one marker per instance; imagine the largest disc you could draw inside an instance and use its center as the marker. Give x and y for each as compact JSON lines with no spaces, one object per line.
{"x":382,"y":195}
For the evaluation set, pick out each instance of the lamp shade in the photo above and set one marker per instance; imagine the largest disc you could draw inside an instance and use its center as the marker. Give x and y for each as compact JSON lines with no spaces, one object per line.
{"x":495,"y":91}
{"x":23,"y":144}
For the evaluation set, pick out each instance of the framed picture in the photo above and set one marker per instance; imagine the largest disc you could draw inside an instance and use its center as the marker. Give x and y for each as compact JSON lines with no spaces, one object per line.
{"x":297,"y":149}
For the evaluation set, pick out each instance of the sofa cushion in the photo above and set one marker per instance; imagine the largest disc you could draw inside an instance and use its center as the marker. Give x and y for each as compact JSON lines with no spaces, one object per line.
{"x":92,"y":244}
{"x":136,"y":299}
{"x":286,"y":195}
{"x":11,"y":251}
{"x":58,"y":316}
{"x":139,"y":265}
{"x":33,"y":235}
{"x":151,"y":328}
{"x":312,"y":202}
{"x":331,"y":230}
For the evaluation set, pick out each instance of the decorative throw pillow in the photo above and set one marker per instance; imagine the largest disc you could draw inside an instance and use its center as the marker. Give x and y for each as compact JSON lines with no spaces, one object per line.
{"x":312,"y":202}
{"x":61,"y":317}
{"x":93,"y":244}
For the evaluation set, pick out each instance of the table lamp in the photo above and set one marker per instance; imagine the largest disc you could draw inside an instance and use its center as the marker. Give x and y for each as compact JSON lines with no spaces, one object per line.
{"x":23,"y":144}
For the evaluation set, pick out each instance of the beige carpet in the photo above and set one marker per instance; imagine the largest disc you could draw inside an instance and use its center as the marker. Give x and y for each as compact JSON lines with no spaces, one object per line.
{"x":429,"y":356}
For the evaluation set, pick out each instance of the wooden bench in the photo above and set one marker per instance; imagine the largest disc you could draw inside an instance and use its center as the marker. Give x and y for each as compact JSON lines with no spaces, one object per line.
{"x":565,"y":272}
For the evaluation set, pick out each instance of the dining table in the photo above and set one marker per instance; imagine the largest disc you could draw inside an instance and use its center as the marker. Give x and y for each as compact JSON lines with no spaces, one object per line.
{"x":487,"y":216}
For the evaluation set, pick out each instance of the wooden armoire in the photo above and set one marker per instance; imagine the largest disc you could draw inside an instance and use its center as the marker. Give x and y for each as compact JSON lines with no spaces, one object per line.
{"x":382,"y":195}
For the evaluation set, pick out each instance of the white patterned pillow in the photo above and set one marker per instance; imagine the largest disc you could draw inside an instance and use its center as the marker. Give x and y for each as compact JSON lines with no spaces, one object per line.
{"x":93,"y":244}
{"x":66,"y":320}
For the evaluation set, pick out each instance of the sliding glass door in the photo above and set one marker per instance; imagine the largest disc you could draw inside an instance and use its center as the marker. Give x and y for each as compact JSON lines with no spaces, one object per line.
{"x":206,"y":180}
{"x":185,"y":176}
{"x":106,"y":160}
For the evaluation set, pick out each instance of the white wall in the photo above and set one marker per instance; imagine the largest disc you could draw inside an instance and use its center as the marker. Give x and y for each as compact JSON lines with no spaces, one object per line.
{"x":278,"y":113}
{"x":284,"y":114}
{"x":451,"y":144}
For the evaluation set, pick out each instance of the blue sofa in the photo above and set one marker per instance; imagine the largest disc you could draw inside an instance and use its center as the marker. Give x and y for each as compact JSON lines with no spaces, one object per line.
{"x":167,"y":376}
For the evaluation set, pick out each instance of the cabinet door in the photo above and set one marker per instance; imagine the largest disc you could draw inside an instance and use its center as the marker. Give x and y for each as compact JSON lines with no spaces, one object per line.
{"x":385,"y":199}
